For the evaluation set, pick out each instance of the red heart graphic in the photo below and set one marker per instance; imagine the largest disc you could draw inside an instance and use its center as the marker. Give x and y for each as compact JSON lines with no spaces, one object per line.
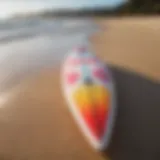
{"x":72,"y":78}
{"x":100,"y":74}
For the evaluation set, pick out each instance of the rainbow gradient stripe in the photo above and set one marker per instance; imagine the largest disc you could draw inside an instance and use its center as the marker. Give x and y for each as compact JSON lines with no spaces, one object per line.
{"x":93,"y":104}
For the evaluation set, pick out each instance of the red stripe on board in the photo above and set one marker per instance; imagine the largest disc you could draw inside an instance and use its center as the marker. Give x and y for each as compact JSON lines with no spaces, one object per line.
{"x":81,"y":49}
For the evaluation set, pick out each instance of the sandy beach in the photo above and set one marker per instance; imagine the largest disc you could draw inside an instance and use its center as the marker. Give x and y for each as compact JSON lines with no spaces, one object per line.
{"x":131,"y":43}
{"x":35,"y":122}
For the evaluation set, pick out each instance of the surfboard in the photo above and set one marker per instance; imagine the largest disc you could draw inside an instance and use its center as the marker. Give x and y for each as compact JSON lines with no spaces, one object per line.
{"x":89,"y":91}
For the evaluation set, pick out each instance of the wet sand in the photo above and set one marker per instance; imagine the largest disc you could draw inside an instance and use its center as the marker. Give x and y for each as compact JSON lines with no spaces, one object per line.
{"x":35,"y":122}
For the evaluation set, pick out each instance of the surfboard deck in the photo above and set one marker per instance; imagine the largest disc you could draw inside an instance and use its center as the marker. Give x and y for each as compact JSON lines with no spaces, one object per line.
{"x":89,"y":91}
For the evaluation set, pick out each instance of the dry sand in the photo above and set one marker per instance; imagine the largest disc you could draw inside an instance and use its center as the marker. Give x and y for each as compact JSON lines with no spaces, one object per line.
{"x":133,"y":43}
{"x":35,"y":123}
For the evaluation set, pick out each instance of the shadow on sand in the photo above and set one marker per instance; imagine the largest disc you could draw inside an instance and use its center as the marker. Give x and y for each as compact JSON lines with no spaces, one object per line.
{"x":137,"y":130}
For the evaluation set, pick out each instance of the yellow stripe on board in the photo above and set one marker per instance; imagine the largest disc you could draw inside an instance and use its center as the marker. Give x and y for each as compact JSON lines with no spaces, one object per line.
{"x":86,"y":96}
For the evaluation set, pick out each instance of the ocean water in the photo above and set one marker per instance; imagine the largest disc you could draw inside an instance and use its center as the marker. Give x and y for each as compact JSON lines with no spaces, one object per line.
{"x":29,"y":45}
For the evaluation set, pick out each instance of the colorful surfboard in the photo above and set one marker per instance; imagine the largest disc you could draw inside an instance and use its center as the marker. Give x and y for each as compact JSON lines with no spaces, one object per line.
{"x":89,"y":91}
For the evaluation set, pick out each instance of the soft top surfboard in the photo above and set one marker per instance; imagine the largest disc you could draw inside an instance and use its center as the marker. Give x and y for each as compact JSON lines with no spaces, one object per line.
{"x":89,"y":90}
